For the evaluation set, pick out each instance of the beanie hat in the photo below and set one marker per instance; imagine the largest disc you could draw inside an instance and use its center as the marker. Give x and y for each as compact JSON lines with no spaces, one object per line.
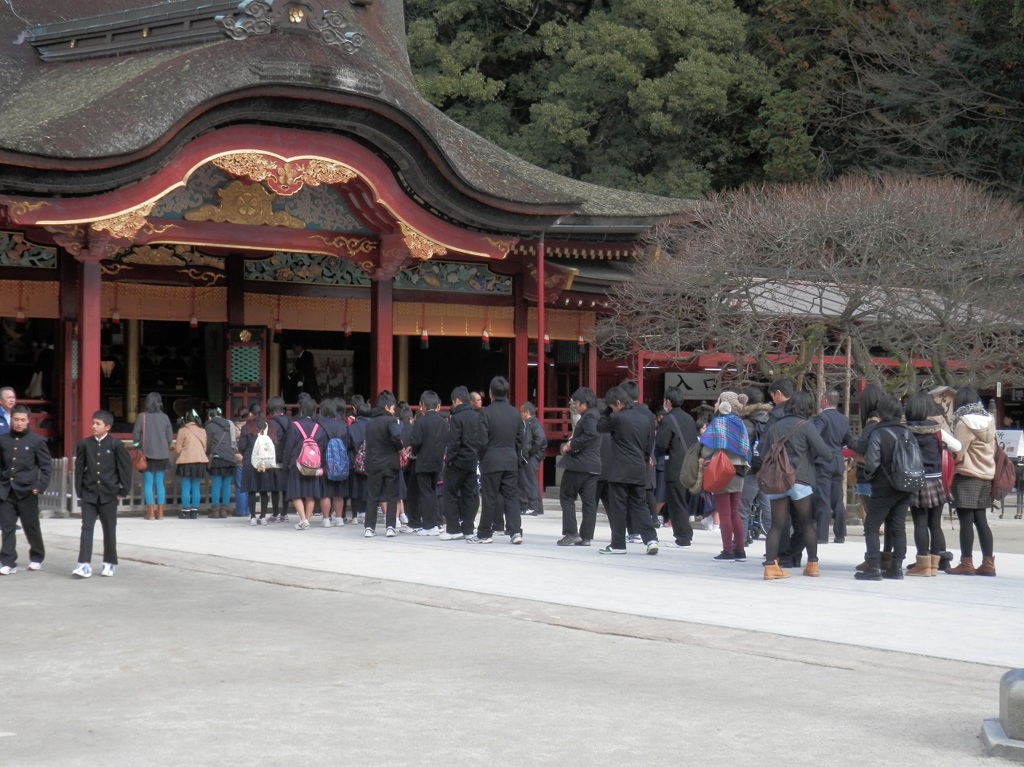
{"x":729,"y":402}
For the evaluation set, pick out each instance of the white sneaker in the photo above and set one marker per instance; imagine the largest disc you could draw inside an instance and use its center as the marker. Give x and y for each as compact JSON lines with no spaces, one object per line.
{"x":391,"y":532}
{"x":260,"y":521}
{"x":8,"y":570}
{"x":446,"y":536}
{"x":431,"y":531}
{"x":407,"y":529}
{"x":403,"y":519}
{"x":370,"y":533}
{"x":84,"y":570}
{"x":253,"y":522}
{"x":33,"y":566}
{"x":327,"y":522}
{"x":108,"y":570}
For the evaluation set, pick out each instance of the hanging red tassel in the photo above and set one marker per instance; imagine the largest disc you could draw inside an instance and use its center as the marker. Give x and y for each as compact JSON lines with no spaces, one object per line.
{"x":547,"y":344}
{"x":424,"y":339}
{"x":485,"y":340}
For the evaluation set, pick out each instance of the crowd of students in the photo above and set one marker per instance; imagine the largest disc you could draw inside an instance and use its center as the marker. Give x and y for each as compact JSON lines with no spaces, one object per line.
{"x":432,"y":473}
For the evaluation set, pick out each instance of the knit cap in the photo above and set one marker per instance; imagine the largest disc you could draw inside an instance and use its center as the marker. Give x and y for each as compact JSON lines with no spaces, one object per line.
{"x":730,"y":401}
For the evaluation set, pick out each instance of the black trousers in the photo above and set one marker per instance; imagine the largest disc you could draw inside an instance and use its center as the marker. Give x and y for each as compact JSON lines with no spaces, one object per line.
{"x":27,"y":510}
{"x":107,"y":513}
{"x":529,"y":487}
{"x":680,"y":505}
{"x":828,"y":499}
{"x":629,"y":501}
{"x":427,"y":511}
{"x":500,"y":502}
{"x":889,"y":509}
{"x":461,"y":499}
{"x":578,"y":484}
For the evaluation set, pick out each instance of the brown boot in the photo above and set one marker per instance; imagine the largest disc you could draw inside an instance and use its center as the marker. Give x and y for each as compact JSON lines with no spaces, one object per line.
{"x":988,"y":566}
{"x":934,"y":560}
{"x":772,"y":571}
{"x":159,"y":511}
{"x":966,"y":567}
{"x":150,"y":512}
{"x":923,"y":567}
{"x":811,"y":569}
{"x":863,"y":565}
{"x":885,"y":560}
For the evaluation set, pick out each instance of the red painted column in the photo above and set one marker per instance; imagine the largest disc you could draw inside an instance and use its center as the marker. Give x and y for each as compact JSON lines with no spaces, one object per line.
{"x":541,"y":330}
{"x":520,"y":372}
{"x":89,"y":286}
{"x":591,"y":361}
{"x":382,"y":330}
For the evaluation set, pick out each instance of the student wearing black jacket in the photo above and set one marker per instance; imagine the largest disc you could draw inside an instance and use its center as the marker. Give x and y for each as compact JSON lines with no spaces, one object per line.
{"x":581,"y":466}
{"x":632,"y":433}
{"x":535,"y":442}
{"x":888,"y":505}
{"x":279,"y":477}
{"x":429,"y":435}
{"x":501,"y":441}
{"x":25,"y":467}
{"x":679,"y":501}
{"x":383,"y":443}
{"x":462,"y":457}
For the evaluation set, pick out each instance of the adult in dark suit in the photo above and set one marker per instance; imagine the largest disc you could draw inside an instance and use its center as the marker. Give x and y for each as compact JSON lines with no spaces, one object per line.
{"x":429,"y":437}
{"x":680,"y":502}
{"x":305,"y":373}
{"x":834,"y":428}
{"x":581,"y":466}
{"x":25,"y":467}
{"x":7,"y":402}
{"x":632,"y":433}
{"x":501,"y":439}
{"x":383,"y":443}
{"x":103,"y":473}
{"x":462,"y":456}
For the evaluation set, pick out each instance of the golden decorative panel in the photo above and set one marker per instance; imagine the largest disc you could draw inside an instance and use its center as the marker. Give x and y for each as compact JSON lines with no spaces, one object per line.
{"x":124,"y":226}
{"x":248,"y":204}
{"x":420,"y":247}
{"x":284,"y":177}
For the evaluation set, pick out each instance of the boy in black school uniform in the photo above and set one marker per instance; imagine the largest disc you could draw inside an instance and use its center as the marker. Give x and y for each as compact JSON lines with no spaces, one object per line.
{"x":25,"y":467}
{"x":103,"y":473}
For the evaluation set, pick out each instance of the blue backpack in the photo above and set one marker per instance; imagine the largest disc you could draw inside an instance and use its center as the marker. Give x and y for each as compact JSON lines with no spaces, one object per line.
{"x":337,"y":460}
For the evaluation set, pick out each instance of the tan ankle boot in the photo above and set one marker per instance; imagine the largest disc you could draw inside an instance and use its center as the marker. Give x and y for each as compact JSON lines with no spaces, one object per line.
{"x":159,"y":511}
{"x":811,"y":569}
{"x":988,"y":566}
{"x":923,"y":567}
{"x":966,"y":567}
{"x":772,"y":571}
{"x":150,"y":512}
{"x":934,"y":560}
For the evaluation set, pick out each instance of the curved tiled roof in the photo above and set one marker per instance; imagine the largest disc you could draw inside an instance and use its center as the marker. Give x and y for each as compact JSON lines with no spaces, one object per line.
{"x":104,"y":113}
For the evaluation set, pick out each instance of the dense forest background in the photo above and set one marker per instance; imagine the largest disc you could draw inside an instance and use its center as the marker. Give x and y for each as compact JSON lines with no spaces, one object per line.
{"x":689,"y":97}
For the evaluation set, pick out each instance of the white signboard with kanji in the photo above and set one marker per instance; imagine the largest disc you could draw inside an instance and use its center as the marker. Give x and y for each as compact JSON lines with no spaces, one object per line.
{"x":696,"y":385}
{"x":1012,"y":441}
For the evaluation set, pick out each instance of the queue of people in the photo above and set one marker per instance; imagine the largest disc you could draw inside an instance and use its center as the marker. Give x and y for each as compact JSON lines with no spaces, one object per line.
{"x":433,"y":475}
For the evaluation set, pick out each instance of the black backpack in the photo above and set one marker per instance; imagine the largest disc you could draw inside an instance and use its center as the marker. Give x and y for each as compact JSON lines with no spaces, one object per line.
{"x":906,"y":467}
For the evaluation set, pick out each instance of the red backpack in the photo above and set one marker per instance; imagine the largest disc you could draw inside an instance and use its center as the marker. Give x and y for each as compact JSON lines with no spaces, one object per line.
{"x":309,"y":462}
{"x":1006,"y":475}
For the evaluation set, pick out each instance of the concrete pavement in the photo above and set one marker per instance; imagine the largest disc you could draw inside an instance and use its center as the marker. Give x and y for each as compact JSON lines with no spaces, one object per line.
{"x":225,"y":644}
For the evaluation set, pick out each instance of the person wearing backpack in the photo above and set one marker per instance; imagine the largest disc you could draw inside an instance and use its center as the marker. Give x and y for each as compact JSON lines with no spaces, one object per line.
{"x":889,"y":503}
{"x":282,"y":424}
{"x":304,"y":446}
{"x":383,"y":443}
{"x":255,"y":482}
{"x":803,"y":447}
{"x":336,"y":463}
{"x":975,"y":427}
{"x":353,"y":440}
{"x":924,"y":419}
{"x":726,"y":434}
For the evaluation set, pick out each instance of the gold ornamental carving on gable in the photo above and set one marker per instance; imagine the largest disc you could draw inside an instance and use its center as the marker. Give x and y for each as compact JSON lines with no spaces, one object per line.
{"x":248,"y":204}
{"x":421,"y":247}
{"x":284,"y":177}
{"x":353,"y":246}
{"x":124,"y":226}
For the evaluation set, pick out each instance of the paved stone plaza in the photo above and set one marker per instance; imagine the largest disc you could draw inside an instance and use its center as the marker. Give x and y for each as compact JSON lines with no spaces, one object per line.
{"x":217,"y":643}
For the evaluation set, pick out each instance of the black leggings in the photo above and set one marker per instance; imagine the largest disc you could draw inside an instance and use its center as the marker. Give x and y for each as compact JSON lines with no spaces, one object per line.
{"x":969,"y":519}
{"x":780,"y":524}
{"x":928,"y":525}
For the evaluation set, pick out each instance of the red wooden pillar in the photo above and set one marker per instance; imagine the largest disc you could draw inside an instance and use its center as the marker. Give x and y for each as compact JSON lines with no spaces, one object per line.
{"x":591,"y":362}
{"x":382,"y":331}
{"x":89,"y":320}
{"x":520,"y":343}
{"x":542,"y":361}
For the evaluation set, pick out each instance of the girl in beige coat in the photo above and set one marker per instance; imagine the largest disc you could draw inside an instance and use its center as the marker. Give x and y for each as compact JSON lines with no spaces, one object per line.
{"x":190,"y":447}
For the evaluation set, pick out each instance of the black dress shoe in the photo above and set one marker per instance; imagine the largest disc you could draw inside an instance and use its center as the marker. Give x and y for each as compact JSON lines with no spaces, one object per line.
{"x":683,"y":542}
{"x":582,"y":542}
{"x":839,"y":540}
